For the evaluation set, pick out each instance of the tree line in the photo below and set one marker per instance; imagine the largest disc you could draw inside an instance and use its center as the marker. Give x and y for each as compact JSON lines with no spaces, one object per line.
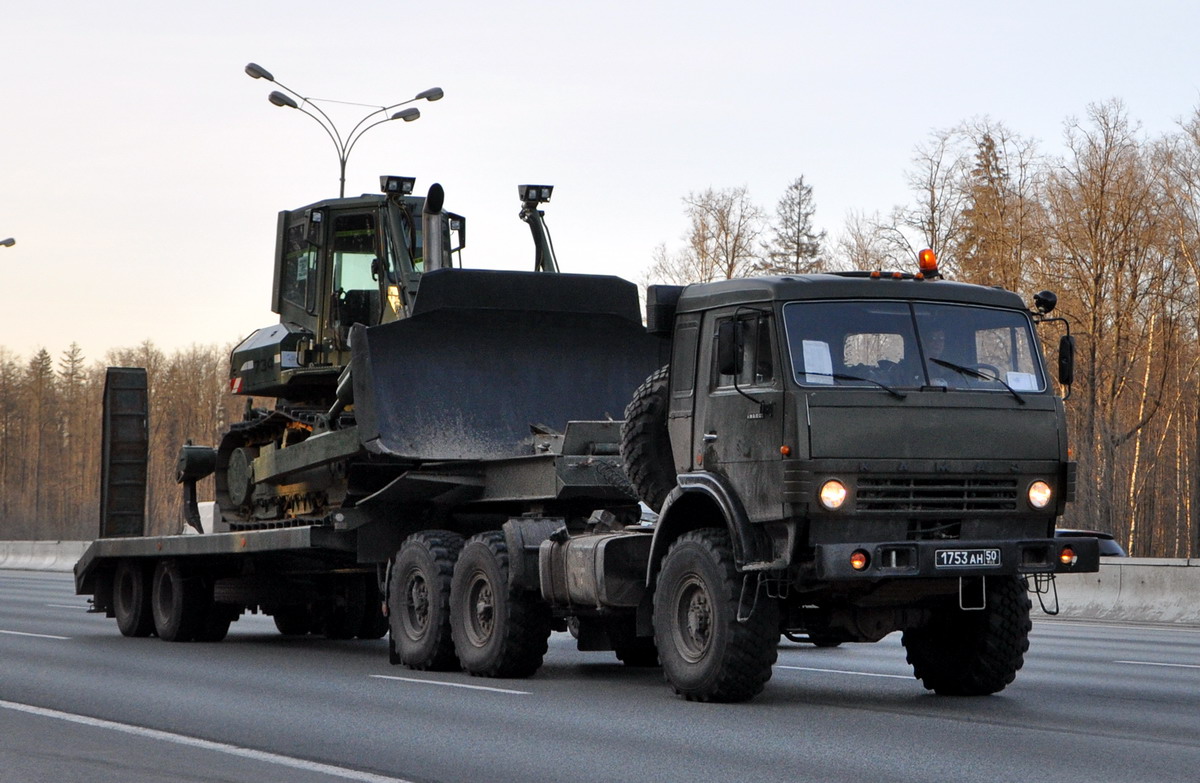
{"x":1112,"y":225}
{"x":50,"y":427}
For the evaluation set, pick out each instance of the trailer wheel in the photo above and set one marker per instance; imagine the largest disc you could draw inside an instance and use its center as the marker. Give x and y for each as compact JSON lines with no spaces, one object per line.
{"x":293,"y":620}
{"x":497,"y":631}
{"x":131,"y":599}
{"x":178,"y":603}
{"x":973,"y":653}
{"x":706,"y":653}
{"x":419,"y":600}
{"x":217,"y":619}
{"x":645,"y":444}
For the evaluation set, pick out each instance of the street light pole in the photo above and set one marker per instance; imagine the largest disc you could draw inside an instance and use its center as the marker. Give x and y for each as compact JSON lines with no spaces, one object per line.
{"x":342,"y":145}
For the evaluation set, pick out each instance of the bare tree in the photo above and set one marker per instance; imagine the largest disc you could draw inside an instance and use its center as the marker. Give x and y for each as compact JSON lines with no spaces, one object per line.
{"x":720,"y":242}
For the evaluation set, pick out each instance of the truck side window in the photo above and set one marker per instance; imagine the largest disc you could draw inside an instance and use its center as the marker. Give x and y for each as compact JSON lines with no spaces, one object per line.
{"x":683,"y":359}
{"x":758,"y":364}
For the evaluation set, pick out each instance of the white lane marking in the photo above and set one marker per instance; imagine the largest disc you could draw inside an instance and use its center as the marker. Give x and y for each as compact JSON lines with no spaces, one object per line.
{"x":67,"y":606}
{"x":195,"y":742}
{"x":843,"y":671}
{"x":450,"y":684}
{"x":1154,"y":663}
{"x":36,"y":635}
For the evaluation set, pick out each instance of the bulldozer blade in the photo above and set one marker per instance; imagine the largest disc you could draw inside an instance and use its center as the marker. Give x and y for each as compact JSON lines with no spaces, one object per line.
{"x":486,"y":355}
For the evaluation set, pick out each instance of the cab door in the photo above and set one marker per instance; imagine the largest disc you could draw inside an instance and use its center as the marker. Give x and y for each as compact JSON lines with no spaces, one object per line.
{"x":739,"y":424}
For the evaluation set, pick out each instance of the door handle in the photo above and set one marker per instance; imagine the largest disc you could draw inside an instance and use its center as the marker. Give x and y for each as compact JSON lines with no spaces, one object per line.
{"x":709,"y":437}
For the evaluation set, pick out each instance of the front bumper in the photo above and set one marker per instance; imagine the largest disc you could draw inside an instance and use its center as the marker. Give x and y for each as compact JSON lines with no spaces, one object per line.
{"x":921,"y":559}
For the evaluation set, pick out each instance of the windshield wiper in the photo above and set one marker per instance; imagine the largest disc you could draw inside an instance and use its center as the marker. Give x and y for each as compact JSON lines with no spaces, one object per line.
{"x":837,"y":376}
{"x":973,"y":373}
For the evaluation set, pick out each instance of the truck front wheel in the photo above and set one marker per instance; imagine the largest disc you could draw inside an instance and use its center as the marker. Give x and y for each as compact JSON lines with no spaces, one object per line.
{"x":419,"y":600}
{"x":497,"y":631}
{"x":707,"y":654}
{"x":131,"y":599}
{"x":973,"y":653}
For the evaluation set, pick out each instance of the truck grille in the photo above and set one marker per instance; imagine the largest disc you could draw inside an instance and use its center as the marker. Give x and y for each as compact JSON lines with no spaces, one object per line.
{"x":936,"y":494}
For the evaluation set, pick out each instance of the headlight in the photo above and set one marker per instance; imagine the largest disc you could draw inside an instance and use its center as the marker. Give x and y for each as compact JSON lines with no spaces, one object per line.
{"x":833,"y":494}
{"x":1040,"y":494}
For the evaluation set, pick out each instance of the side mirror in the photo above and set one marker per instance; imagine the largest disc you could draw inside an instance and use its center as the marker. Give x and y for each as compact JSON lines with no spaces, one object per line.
{"x":729,"y":348}
{"x":1066,"y":360}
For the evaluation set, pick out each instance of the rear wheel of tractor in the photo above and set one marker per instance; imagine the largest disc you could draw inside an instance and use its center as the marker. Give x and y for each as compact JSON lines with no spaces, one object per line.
{"x":973,"y":653}
{"x":178,"y":603}
{"x":419,"y":600}
{"x":497,"y":632}
{"x":706,"y":653}
{"x":645,"y":444}
{"x":131,"y":599}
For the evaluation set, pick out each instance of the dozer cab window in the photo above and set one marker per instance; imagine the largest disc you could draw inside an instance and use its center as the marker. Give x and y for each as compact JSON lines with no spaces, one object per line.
{"x":298,"y":284}
{"x":355,"y":270}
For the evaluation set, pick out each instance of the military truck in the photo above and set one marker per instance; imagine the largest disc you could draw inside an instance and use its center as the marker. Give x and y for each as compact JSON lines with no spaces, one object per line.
{"x":461,"y":459}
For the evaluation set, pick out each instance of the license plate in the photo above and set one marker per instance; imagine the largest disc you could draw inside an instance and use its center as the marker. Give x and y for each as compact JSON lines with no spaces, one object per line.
{"x":967,"y":558}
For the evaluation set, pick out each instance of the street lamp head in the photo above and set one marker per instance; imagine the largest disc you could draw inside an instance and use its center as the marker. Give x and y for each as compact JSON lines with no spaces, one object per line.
{"x":432,"y":94}
{"x":256,"y":71}
{"x":7,"y":242}
{"x":279,"y":99}
{"x":408,"y":115}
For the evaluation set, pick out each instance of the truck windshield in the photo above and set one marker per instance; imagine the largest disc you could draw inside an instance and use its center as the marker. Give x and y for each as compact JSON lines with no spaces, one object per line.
{"x":895,"y":344}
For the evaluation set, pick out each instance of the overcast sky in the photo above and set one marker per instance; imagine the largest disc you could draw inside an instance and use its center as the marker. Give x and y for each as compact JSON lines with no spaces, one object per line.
{"x":142,"y":170}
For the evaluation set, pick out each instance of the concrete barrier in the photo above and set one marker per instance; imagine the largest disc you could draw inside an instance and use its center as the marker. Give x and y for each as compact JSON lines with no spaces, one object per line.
{"x":41,"y":555}
{"x":1133,"y":590}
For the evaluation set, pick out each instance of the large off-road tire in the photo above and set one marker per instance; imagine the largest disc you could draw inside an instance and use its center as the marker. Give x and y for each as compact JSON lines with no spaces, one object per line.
{"x":645,"y":444}
{"x":973,"y":653}
{"x":419,"y":600}
{"x":178,"y":601}
{"x":706,"y":653}
{"x":131,"y":599}
{"x":497,"y":631}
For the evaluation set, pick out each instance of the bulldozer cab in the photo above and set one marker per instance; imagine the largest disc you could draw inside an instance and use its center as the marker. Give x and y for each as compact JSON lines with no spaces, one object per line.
{"x":338,"y":263}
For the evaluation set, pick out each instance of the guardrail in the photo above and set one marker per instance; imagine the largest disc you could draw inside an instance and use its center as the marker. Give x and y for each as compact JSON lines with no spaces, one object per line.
{"x":1126,"y":589}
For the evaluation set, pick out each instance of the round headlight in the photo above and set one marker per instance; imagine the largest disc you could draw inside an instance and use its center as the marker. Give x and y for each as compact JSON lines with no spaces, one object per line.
{"x":1040,"y":494}
{"x":833,"y":494}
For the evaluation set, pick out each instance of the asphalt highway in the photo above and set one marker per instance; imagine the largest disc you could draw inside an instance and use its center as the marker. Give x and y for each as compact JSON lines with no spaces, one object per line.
{"x":79,"y":702}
